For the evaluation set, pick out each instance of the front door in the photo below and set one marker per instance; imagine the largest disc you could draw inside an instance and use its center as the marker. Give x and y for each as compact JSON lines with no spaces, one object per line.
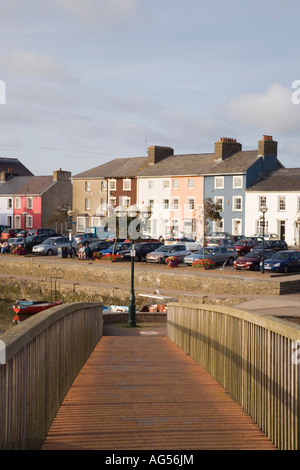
{"x":237,"y":227}
{"x":282,"y":230}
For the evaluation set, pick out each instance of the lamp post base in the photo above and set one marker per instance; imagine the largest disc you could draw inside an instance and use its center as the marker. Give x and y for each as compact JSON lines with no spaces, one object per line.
{"x":131,"y":315}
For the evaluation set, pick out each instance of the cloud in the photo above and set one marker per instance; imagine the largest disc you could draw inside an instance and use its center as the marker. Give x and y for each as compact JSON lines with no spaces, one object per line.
{"x":106,"y":12}
{"x":272,"y":111}
{"x":29,"y":63}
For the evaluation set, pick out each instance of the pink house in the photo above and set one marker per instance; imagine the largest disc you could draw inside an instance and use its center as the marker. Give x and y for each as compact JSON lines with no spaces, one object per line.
{"x":40,"y":198}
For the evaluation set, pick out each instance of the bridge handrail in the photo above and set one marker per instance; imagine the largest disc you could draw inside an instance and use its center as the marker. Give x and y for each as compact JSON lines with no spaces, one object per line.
{"x":254,"y":357}
{"x":43,"y":355}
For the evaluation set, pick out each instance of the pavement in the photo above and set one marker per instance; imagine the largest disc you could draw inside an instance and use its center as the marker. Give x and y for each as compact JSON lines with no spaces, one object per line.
{"x":274,"y":305}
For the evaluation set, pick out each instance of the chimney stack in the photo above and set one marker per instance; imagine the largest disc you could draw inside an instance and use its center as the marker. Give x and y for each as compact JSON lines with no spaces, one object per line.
{"x":61,"y":175}
{"x":226,"y":147}
{"x":267,"y":146}
{"x":157,"y":153}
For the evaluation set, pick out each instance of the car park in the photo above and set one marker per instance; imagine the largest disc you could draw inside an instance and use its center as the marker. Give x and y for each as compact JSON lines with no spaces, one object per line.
{"x":276,"y":245}
{"x":163,"y":252}
{"x":283,"y":261}
{"x":218,"y":254}
{"x":51,"y":245}
{"x":190,"y":243}
{"x":244,"y":246}
{"x":141,"y":250}
{"x":250,"y":262}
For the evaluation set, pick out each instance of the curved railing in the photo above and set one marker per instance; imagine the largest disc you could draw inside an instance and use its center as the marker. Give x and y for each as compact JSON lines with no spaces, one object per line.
{"x":256,"y":358}
{"x":40,"y":360}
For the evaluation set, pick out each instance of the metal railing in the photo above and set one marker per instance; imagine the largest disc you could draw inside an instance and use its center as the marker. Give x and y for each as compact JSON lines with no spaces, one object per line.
{"x":43,"y":355}
{"x":254,"y":357}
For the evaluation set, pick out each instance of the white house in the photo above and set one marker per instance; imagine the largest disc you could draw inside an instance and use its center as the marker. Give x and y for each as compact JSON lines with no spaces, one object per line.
{"x":280,"y":193}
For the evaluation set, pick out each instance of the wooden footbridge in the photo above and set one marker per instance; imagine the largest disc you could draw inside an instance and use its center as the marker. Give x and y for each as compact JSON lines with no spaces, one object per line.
{"x":210,"y":378}
{"x":144,"y":393}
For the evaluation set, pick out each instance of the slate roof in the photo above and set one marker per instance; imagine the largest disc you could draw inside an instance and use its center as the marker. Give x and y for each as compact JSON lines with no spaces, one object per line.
{"x":36,"y":185}
{"x":281,"y":180}
{"x":17,"y":167}
{"x":117,"y":168}
{"x":12,"y":185}
{"x":174,"y":165}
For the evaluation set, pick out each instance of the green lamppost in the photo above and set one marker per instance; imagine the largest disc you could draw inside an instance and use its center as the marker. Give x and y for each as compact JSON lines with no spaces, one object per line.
{"x":132,"y":215}
{"x":70,"y":215}
{"x":263,"y":209}
{"x":25,"y":214}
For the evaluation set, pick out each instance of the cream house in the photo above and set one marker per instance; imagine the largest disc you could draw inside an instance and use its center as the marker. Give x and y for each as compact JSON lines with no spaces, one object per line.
{"x":280,"y":193}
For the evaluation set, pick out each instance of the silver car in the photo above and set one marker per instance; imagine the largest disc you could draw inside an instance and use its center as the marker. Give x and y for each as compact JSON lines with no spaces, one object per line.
{"x":50,"y":246}
{"x":164,"y":251}
{"x":218,"y":254}
{"x":190,"y":243}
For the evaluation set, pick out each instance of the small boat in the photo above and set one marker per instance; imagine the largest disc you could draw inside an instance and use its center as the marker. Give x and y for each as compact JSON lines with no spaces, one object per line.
{"x":26,"y":307}
{"x":116,"y":309}
{"x":155,"y":303}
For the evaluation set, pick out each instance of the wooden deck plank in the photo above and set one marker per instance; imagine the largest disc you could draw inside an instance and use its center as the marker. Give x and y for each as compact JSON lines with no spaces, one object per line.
{"x":144,"y":393}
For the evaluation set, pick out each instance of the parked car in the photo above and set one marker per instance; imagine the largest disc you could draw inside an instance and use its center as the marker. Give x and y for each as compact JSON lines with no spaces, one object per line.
{"x":9,"y":233}
{"x":283,"y":262}
{"x":31,"y":241}
{"x":236,"y":238}
{"x":219,"y":242}
{"x":266,"y":236}
{"x":218,"y":254}
{"x":119,"y":246}
{"x":44,"y":231}
{"x":164,"y":251}
{"x":22,"y":233}
{"x":219,"y":235}
{"x":50,"y":246}
{"x":190,"y":243}
{"x":85,"y":238}
{"x":252,"y":259}
{"x":141,"y":250}
{"x":276,"y":245}
{"x":244,"y":246}
{"x":3,"y":227}
{"x":99,"y":245}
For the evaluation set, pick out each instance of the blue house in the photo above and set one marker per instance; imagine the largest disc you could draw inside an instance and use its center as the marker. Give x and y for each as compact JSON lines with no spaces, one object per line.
{"x":233,"y":171}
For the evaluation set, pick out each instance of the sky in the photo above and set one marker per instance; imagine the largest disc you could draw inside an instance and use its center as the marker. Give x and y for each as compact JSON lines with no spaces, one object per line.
{"x":85,"y":81}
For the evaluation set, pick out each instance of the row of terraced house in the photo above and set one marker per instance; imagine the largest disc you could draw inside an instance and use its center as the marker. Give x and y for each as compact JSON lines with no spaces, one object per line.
{"x":173,"y":186}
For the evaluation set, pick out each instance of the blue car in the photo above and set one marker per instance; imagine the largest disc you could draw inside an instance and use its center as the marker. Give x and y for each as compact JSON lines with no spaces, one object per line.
{"x":119,"y":246}
{"x":283,"y":262}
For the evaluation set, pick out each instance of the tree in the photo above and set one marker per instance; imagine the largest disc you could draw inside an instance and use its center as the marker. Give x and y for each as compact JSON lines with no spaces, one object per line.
{"x":59,"y":217}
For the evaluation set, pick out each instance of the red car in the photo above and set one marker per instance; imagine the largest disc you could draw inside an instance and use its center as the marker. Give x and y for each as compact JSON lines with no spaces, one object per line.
{"x":244,"y":246}
{"x":9,"y":233}
{"x":252,"y":259}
